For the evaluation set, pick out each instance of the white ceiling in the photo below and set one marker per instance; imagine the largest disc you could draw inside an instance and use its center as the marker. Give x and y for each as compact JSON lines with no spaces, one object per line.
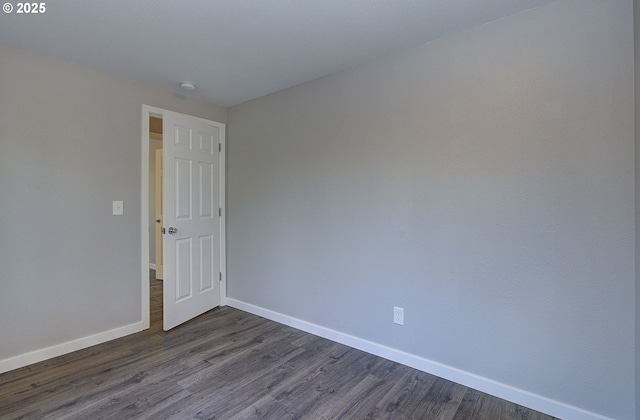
{"x":236,"y":50}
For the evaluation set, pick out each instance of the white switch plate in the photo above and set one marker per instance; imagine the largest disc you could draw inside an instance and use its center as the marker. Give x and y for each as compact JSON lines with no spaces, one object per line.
{"x":118,"y":209}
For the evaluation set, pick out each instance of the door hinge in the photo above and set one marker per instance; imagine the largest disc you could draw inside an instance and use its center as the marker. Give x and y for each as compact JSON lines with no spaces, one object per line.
{"x":220,"y":211}
{"x":219,"y":147}
{"x":220,"y":276}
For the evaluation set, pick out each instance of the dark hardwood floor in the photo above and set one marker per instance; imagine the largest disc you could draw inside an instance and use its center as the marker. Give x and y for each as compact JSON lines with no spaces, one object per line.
{"x":228,"y":364}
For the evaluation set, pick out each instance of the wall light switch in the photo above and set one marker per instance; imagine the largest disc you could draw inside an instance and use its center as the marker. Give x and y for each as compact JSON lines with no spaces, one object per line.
{"x":118,"y":209}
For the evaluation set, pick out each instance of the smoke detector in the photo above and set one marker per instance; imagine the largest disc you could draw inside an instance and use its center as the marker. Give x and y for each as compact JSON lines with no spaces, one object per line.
{"x":188,"y":86}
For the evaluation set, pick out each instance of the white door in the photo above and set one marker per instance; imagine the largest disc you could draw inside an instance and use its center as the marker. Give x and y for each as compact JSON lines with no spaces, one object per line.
{"x":190,"y":218}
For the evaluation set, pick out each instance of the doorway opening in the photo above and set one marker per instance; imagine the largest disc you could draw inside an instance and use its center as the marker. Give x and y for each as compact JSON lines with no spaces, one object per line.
{"x":186,"y":197}
{"x":155,"y":194}
{"x":155,"y":221}
{"x":155,"y":301}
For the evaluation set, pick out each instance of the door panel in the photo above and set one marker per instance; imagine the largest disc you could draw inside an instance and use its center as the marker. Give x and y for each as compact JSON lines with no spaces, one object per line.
{"x":206,"y":184}
{"x":184,"y":278}
{"x":183,"y":193}
{"x":207,"y":275}
{"x":191,"y":202}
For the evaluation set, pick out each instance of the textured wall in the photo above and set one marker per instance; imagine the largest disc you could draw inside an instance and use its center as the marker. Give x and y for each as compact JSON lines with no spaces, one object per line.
{"x":69,"y":146}
{"x":484,"y":182}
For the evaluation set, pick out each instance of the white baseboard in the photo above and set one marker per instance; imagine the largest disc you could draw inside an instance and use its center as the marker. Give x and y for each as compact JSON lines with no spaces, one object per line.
{"x":500,"y":390}
{"x":68,"y":347}
{"x":152,"y":266}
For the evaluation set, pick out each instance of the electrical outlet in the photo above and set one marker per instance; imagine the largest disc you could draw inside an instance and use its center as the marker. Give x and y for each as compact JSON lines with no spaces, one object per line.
{"x":398,"y":315}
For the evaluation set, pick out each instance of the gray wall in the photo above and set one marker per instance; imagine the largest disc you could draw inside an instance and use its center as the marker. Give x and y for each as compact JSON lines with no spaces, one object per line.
{"x":484,"y":182}
{"x":636,"y":26}
{"x":69,"y":145}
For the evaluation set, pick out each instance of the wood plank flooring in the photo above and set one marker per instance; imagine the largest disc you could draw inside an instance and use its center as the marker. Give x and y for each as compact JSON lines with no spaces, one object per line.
{"x":228,"y":364}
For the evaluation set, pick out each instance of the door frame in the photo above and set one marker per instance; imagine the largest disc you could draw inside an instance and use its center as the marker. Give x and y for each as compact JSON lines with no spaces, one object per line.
{"x":148,"y":111}
{"x":157,"y":227}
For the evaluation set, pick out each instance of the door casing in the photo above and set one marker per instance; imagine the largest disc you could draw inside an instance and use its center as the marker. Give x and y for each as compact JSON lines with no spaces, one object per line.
{"x":148,"y":111}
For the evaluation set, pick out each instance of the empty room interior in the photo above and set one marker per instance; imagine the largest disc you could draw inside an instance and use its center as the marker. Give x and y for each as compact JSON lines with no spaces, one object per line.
{"x":409,"y":192}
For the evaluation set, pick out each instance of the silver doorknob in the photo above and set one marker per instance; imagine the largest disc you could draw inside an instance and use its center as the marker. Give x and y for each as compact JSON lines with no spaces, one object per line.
{"x":173,"y":230}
